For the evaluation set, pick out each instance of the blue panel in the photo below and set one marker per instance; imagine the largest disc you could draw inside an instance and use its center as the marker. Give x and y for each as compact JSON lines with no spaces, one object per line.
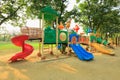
{"x":72,"y":35}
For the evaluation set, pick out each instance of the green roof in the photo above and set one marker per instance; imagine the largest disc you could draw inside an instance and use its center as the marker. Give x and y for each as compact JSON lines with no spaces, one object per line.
{"x":49,"y":13}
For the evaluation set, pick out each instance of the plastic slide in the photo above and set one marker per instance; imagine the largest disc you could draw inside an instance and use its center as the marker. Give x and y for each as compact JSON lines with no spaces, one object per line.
{"x":81,"y":53}
{"x":26,"y":48}
{"x":101,"y":49}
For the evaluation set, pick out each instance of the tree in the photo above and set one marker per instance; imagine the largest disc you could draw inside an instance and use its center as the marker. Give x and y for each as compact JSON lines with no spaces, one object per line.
{"x":36,"y":5}
{"x":17,"y":11}
{"x":100,"y":15}
{"x":12,"y":10}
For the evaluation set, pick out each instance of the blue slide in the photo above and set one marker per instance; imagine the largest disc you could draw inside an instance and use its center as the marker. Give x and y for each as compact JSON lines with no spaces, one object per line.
{"x":81,"y":53}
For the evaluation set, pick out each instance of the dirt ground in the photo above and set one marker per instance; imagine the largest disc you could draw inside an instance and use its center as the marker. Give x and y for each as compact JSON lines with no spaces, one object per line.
{"x":103,"y":67}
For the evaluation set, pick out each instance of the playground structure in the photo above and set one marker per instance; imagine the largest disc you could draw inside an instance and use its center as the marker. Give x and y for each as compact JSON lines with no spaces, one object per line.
{"x":96,"y":41}
{"x":58,"y":36}
{"x":26,"y":48}
{"x":48,"y":35}
{"x":78,"y":49}
{"x":33,"y":33}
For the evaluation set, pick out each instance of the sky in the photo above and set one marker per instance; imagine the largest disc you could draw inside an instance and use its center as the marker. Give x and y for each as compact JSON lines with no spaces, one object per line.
{"x":71,"y":5}
{"x":34,"y":23}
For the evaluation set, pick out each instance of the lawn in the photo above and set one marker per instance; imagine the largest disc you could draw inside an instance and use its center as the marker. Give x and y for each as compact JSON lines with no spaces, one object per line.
{"x":9,"y":47}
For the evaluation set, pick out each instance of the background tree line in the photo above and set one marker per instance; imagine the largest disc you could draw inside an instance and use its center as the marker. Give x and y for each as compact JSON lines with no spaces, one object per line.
{"x":100,"y":15}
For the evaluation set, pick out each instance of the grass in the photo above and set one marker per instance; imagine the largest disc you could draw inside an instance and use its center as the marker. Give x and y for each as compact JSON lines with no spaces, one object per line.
{"x":9,"y":47}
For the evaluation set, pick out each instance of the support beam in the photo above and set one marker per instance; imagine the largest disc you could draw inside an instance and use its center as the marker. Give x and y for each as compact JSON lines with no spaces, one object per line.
{"x":57,"y":33}
{"x":42,"y":45}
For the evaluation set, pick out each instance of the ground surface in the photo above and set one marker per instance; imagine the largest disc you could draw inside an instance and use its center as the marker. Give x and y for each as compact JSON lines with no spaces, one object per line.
{"x":103,"y":67}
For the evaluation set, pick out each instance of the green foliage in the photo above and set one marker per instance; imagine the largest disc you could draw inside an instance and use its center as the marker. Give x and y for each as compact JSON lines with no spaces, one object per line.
{"x":17,"y":12}
{"x":5,"y":37}
{"x":73,"y":14}
{"x":100,"y":15}
{"x":37,"y":5}
{"x":10,"y":11}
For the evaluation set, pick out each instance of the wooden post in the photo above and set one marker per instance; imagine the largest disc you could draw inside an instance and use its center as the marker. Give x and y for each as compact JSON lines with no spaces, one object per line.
{"x":23,"y":46}
{"x":68,"y":42}
{"x":51,"y":51}
{"x":42,"y":45}
{"x":89,"y":42}
{"x":57,"y":33}
{"x":40,"y":27}
{"x":119,"y":40}
{"x":52,"y":47}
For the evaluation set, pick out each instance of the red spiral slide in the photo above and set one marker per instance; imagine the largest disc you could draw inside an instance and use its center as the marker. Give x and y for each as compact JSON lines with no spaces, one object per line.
{"x":26,"y":48}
